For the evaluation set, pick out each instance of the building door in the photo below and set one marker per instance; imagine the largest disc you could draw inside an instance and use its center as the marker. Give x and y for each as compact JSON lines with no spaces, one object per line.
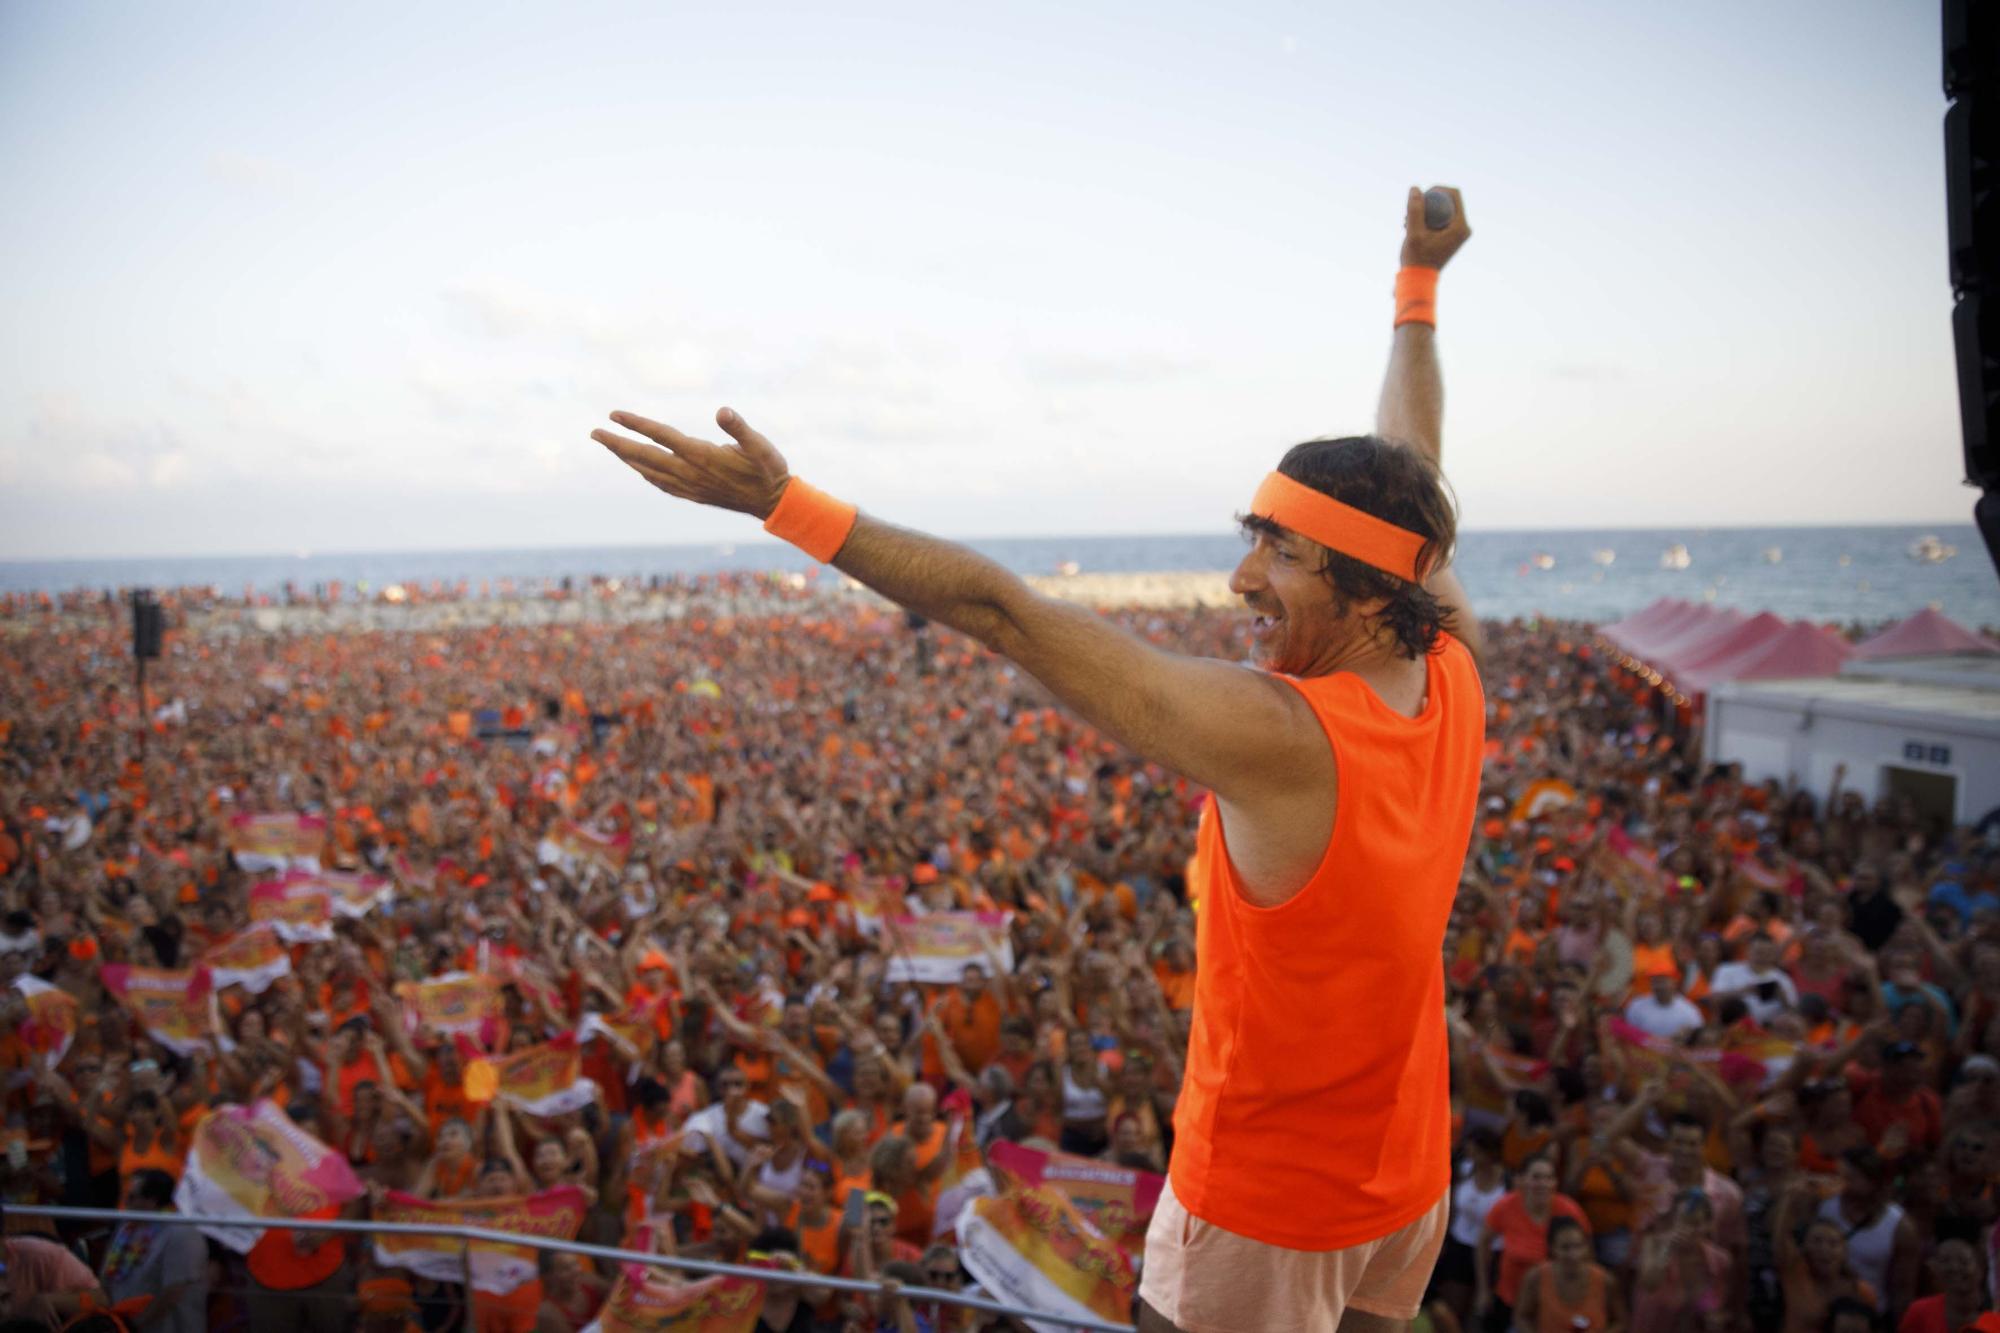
{"x":1935,"y":794}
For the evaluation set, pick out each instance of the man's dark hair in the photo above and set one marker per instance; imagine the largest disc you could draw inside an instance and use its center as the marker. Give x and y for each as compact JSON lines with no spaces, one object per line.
{"x":1534,"y":1108}
{"x":775,"y":1240}
{"x":1560,"y":1224}
{"x":1864,"y":1160}
{"x":1399,"y":486}
{"x":155,"y":1187}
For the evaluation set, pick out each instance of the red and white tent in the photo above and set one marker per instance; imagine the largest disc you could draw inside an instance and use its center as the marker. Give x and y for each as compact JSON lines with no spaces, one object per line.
{"x":1928,"y":633}
{"x":1725,"y":643}
{"x":1797,"y":650}
{"x":1699,"y":646}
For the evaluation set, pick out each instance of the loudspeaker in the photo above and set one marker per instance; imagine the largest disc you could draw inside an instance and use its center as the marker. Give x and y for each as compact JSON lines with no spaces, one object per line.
{"x":149,"y":627}
{"x":1977,"y":340}
{"x":1986,"y":513}
{"x":1971,"y":45}
{"x":1972,"y":188}
{"x":1971,"y":32}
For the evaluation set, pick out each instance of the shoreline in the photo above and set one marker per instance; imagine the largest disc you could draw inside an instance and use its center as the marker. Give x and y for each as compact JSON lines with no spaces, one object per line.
{"x":1161,"y":590}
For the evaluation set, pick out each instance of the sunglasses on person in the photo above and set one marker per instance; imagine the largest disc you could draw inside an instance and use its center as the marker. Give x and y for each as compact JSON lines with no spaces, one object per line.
{"x":942,"y":1277}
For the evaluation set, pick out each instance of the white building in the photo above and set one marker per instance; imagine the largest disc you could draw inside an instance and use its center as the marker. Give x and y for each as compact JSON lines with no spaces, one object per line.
{"x":1927,"y":728}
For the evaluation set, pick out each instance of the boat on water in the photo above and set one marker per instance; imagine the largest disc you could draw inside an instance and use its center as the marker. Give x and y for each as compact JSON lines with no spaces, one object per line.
{"x":1604,"y":556}
{"x":1675,"y":557}
{"x":1542,"y":560}
{"x":1774,"y":555}
{"x":1931,"y":550}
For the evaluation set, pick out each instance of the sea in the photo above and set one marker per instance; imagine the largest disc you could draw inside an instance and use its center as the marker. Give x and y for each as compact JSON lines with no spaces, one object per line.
{"x":1846,"y":575}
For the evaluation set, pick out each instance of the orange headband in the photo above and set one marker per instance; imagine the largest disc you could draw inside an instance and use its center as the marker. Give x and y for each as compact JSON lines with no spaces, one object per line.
{"x":1338,"y":527}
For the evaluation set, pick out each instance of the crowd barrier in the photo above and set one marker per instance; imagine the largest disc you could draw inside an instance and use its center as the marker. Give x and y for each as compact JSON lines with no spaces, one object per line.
{"x":466,"y":1235}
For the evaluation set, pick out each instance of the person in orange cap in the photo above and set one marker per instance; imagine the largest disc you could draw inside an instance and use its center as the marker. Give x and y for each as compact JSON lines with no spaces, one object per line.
{"x":1310,"y":1182}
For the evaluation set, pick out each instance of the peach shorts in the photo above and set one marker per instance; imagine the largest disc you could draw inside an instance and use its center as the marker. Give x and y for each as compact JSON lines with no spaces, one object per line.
{"x":1207,"y":1280}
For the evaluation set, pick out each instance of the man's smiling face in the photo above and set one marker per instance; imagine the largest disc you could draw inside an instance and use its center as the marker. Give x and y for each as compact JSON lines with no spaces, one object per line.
{"x":1297,"y":622}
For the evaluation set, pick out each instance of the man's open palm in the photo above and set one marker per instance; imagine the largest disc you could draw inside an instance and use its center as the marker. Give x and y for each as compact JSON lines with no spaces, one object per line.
{"x":747,"y":476}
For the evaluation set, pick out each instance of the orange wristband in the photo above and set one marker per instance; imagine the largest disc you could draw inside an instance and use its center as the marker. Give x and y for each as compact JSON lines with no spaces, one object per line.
{"x":1416,"y":296}
{"x":811,"y":520}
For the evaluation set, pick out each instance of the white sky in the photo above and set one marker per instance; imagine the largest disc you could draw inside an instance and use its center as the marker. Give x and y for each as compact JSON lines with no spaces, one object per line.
{"x":365,"y":276}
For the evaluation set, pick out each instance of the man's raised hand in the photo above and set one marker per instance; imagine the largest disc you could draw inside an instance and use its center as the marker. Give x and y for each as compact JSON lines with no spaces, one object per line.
{"x":1424,"y":248}
{"x":747,"y":477}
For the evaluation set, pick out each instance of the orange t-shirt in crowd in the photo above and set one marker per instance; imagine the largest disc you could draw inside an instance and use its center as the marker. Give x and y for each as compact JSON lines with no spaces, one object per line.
{"x":363,"y":1069}
{"x":513,"y":1312}
{"x":159,"y":1157}
{"x":1524,"y":1242}
{"x":843,"y":1182}
{"x":1518,"y":1145}
{"x":785,"y":1077}
{"x":1645,"y":958}
{"x":1605,"y":1208}
{"x":445,"y":1100}
{"x":820,"y":1245}
{"x":603,"y":1066}
{"x":648,"y":1130}
{"x":1921,"y":1114}
{"x":277,"y":1263}
{"x":758,"y":1071}
{"x":916,"y":1208}
{"x":455,"y":1178}
{"x":973,"y":1027}
{"x":1316,"y":1145}
{"x":1177,"y":988}
{"x":1017,"y":1066}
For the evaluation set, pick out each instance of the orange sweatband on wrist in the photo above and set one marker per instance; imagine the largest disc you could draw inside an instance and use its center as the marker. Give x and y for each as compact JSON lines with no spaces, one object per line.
{"x":811,"y":520}
{"x":1416,"y":296}
{"x":1338,"y":527}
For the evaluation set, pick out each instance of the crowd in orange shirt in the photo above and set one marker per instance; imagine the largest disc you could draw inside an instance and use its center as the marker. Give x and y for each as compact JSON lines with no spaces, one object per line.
{"x":1728,"y":1030}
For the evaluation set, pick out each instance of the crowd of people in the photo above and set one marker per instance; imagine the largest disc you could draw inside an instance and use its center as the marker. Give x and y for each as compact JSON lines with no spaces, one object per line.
{"x":1726,"y":1055}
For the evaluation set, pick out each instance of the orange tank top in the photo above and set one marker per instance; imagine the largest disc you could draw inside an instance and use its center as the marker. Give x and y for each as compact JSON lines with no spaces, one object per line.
{"x":159,"y":1157}
{"x":819,"y":1245}
{"x":1316,"y":1109}
{"x":1553,"y":1316}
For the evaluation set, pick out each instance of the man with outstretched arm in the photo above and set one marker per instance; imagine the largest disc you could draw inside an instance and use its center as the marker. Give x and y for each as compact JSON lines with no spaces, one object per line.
{"x":1310,"y":1178}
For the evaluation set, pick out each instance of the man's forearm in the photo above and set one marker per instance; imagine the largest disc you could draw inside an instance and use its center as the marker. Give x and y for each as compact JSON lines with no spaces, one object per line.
{"x":937,"y":579}
{"x":1412,"y":408}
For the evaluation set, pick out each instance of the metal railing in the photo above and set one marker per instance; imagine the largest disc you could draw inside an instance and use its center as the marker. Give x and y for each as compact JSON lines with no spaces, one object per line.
{"x":465,"y":1236}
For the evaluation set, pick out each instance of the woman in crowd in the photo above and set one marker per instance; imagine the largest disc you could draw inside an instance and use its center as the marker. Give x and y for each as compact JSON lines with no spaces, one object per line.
{"x":1570,"y":1292}
{"x":1517,"y":1226}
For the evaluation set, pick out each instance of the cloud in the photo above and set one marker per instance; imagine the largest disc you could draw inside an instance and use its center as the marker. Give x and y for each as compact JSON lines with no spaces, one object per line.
{"x":1073,"y":369}
{"x":63,"y":446}
{"x":641,"y":352}
{"x":1585,"y":372}
{"x":505,"y":313}
{"x":259,"y":175}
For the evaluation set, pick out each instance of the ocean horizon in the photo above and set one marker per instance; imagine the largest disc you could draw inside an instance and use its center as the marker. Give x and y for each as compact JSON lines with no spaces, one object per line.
{"x":1848,"y":574}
